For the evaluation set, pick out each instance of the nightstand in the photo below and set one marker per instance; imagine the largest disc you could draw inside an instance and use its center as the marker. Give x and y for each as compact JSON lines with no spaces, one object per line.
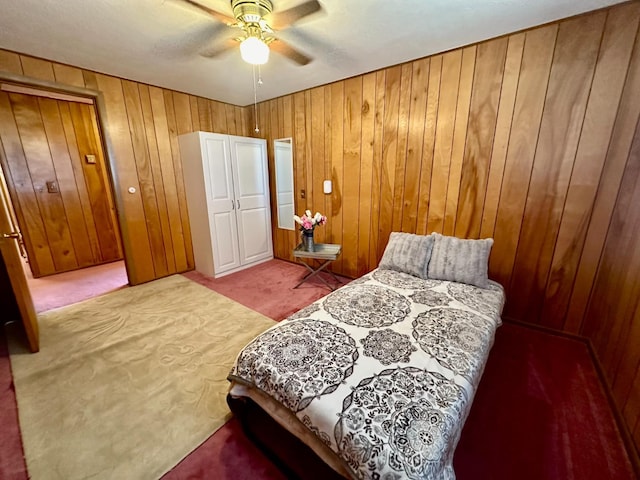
{"x":324,"y":254}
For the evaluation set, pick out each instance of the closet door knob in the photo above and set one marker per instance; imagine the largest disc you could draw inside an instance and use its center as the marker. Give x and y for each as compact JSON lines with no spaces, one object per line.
{"x":238,"y":204}
{"x":233,"y":205}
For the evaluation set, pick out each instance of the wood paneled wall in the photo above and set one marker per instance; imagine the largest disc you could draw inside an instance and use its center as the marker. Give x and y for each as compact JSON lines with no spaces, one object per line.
{"x":528,"y":138}
{"x":143,"y":123}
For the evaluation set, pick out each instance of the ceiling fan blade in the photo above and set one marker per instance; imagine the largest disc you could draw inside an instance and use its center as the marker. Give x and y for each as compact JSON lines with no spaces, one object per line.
{"x":288,"y":51}
{"x":219,"y":49}
{"x":280,"y":20}
{"x":214,"y":13}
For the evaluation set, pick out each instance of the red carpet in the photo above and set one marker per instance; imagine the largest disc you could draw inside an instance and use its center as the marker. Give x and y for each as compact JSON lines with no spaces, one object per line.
{"x":540,"y":411}
{"x":268,"y":288}
{"x":228,"y":454}
{"x":12,"y":466}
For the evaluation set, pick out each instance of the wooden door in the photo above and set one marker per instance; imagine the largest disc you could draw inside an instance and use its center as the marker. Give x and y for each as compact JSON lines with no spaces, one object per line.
{"x":12,"y":262}
{"x":56,"y":173}
{"x":251,"y":186}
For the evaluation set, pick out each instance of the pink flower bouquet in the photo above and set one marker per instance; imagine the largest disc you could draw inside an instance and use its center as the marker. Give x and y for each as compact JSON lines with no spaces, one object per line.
{"x":308,"y":223}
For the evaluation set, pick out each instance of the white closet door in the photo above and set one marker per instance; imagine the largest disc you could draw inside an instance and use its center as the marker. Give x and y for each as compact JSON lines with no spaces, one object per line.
{"x":251,"y":186}
{"x":222,"y":207}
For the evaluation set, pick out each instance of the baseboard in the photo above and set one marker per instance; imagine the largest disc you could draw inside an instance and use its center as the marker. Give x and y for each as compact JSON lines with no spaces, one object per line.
{"x":545,"y":329}
{"x":625,"y":433}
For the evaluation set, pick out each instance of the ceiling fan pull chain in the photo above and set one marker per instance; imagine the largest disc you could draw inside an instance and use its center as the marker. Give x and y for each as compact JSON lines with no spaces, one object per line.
{"x":255,"y":99}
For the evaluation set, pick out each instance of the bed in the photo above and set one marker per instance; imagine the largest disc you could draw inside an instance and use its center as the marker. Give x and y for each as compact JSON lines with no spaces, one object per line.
{"x":377,"y":378}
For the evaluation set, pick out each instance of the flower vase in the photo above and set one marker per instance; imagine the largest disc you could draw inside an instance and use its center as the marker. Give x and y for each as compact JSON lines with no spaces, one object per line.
{"x":307,"y":240}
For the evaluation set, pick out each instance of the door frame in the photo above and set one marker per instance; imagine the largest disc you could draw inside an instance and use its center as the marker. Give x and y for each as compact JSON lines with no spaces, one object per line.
{"x":109,"y":153}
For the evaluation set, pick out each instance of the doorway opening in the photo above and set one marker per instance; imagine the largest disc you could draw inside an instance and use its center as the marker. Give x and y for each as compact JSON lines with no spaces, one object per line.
{"x":58,"y":184}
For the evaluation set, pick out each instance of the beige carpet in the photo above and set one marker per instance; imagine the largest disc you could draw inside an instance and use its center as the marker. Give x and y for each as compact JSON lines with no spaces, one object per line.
{"x":127,"y":384}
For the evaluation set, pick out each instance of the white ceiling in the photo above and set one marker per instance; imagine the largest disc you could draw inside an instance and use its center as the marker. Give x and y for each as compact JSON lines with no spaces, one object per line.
{"x":158,"y":41}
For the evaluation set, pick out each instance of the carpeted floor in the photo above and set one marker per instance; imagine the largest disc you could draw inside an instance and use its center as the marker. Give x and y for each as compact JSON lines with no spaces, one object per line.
{"x":12,"y":466}
{"x":65,"y":288}
{"x":126,"y":384}
{"x":268,"y":288}
{"x":540,"y":411}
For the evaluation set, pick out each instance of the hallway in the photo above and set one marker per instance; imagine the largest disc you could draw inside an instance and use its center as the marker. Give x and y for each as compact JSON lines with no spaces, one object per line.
{"x":62,"y":289}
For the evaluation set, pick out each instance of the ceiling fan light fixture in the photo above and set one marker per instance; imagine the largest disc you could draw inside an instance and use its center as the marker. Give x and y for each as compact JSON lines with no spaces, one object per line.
{"x":254,"y":51}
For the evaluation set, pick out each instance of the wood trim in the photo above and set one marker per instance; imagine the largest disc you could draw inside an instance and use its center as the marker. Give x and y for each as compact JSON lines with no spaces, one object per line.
{"x":7,"y":87}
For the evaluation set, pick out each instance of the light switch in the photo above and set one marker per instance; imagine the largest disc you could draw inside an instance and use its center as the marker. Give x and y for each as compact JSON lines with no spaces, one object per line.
{"x":90,"y":158}
{"x":52,"y":187}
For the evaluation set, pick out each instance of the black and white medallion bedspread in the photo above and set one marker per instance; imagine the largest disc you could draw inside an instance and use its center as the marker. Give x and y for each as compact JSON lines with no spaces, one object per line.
{"x":383,"y":370}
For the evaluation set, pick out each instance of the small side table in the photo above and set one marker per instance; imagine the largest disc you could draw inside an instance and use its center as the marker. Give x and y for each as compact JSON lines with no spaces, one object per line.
{"x":324,"y":253}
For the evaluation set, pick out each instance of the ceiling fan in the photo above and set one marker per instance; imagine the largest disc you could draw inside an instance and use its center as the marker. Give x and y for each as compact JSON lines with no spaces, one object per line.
{"x":259,"y":24}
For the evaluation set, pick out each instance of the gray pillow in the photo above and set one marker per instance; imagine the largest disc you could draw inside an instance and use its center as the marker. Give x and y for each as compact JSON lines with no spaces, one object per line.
{"x":458,"y":260}
{"x":408,"y":253}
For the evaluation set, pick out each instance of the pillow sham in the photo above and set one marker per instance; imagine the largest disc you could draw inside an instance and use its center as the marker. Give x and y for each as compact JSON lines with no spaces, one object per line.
{"x":408,"y":253}
{"x":460,"y":260}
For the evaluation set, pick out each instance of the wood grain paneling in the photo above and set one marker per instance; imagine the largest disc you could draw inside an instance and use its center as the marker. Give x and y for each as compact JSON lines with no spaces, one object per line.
{"x":366,"y":166}
{"x":428,"y":145}
{"x":459,"y":136}
{"x":481,"y":132}
{"x":142,"y":125}
{"x":389,"y":155}
{"x":527,"y":139}
{"x":417,"y":113}
{"x":149,"y":174}
{"x":445,"y":125}
{"x":97,"y":179}
{"x":595,"y":215}
{"x":27,"y":211}
{"x":40,"y":169}
{"x":337,"y":166}
{"x":569,"y":85}
{"x":351,"y":186}
{"x":509,"y":87}
{"x":71,"y":187}
{"x":523,"y":137}
{"x":401,"y":150}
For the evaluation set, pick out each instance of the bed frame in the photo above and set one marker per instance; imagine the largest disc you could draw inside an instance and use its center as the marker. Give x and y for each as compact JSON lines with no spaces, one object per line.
{"x":295,"y":459}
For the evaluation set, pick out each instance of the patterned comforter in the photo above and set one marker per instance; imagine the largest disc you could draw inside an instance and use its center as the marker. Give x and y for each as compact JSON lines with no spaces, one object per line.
{"x":383,"y":371}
